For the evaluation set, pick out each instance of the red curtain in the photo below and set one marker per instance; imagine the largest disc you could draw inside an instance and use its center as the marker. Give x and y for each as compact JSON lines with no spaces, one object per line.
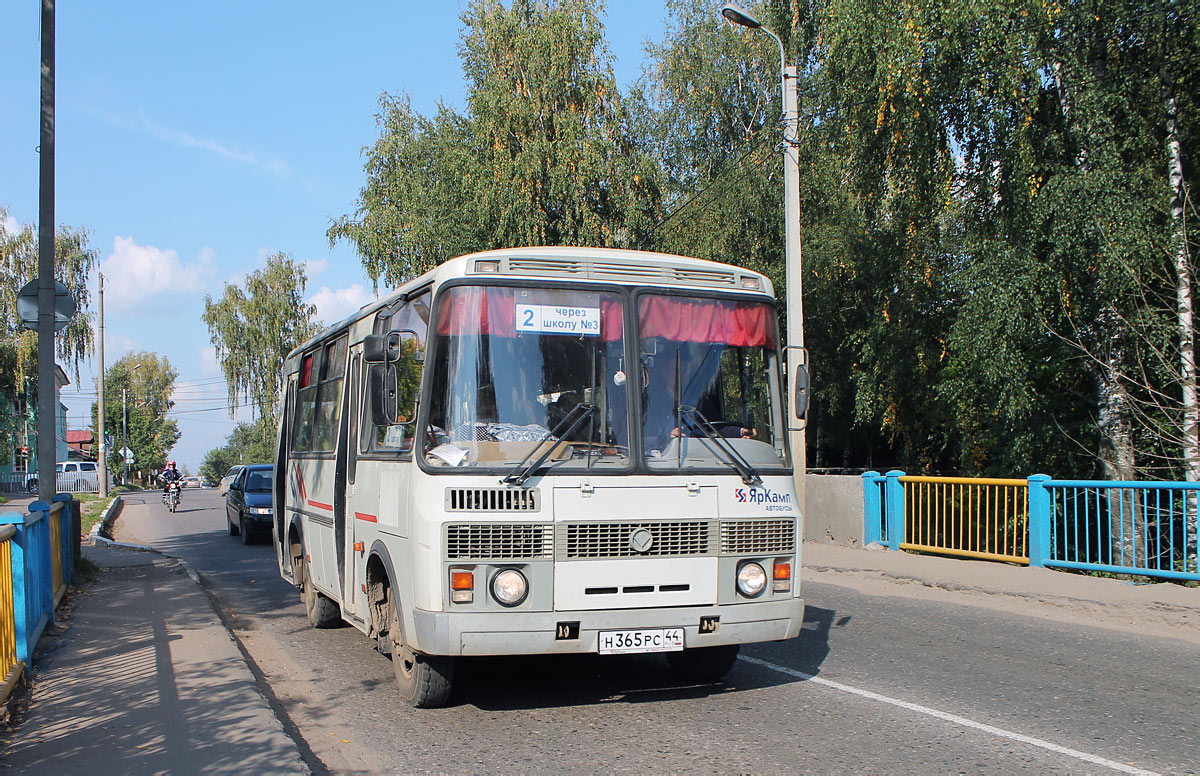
{"x":737,"y":324}
{"x":468,"y":310}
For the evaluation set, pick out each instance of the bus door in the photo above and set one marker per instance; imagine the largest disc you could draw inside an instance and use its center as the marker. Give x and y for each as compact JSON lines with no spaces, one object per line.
{"x":349,"y":502}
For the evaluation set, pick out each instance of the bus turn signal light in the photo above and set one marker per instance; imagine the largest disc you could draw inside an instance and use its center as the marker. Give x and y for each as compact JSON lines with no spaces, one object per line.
{"x":782,"y":576}
{"x":462,"y":587}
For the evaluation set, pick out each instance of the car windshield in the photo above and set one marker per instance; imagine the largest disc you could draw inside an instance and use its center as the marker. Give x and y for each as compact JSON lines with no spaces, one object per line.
{"x":509,"y":364}
{"x":709,"y":383}
{"x":260,"y":481}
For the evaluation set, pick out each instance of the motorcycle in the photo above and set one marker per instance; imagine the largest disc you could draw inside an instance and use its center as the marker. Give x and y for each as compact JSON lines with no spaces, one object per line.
{"x":171,"y":497}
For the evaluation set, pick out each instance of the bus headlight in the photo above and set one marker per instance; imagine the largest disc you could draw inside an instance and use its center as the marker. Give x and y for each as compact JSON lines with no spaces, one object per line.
{"x":751,"y":579}
{"x":509,"y":587}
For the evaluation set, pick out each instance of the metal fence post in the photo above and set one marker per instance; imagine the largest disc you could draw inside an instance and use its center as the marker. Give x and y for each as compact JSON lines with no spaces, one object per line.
{"x":70,"y":535}
{"x":1039,"y":520}
{"x":893,"y":497}
{"x":872,"y":509}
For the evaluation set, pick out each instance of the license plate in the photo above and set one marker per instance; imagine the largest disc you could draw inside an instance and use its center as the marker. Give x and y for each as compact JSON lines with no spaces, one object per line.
{"x":622,"y":642}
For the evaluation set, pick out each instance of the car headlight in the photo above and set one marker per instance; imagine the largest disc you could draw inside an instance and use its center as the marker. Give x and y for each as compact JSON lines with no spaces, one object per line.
{"x":751,"y":579}
{"x":509,"y":587}
{"x":261,"y":510}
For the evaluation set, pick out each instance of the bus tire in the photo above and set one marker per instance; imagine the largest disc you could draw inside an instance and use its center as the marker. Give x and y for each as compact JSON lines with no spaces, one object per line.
{"x":425,"y":681}
{"x":704,"y":664}
{"x":322,"y":612}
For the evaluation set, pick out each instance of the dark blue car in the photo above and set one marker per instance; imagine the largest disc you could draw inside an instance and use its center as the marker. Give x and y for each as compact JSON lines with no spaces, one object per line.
{"x":249,"y":504}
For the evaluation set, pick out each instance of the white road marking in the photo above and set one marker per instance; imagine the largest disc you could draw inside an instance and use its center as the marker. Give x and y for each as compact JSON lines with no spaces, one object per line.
{"x":957,"y":720}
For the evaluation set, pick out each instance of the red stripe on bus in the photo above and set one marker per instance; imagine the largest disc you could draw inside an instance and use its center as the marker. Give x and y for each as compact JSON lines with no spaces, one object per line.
{"x":366,"y":517}
{"x":319,"y":505}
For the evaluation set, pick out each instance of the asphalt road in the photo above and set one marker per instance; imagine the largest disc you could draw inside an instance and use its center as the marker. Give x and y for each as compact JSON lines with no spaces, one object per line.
{"x":876,"y":683}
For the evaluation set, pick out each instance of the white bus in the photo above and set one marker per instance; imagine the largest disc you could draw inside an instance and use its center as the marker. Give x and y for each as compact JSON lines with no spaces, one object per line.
{"x":545,"y":450}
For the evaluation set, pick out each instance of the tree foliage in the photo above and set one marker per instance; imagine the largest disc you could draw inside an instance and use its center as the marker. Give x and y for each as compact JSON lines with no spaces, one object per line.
{"x":254,"y":327}
{"x":996,"y":260}
{"x":544,"y":155}
{"x":247,"y":443}
{"x":74,"y":261}
{"x":137,"y":399}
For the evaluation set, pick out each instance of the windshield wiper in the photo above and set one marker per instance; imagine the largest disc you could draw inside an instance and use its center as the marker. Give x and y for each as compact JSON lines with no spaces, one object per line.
{"x":564,"y":428}
{"x":732,"y":456}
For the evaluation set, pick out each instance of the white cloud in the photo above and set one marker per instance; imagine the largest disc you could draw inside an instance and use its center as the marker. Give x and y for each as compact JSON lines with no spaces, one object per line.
{"x":10,"y":225}
{"x":314,"y":267}
{"x":134,"y":272}
{"x":335,"y":304}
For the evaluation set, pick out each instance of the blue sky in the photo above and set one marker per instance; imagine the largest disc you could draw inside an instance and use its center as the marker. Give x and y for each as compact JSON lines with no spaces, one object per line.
{"x":193,"y":140}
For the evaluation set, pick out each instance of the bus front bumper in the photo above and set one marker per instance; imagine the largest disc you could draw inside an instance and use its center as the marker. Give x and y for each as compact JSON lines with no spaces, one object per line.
{"x":534,"y":633}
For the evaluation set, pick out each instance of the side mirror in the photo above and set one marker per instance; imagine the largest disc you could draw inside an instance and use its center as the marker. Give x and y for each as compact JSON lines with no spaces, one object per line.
{"x":386,"y":348}
{"x":383,"y":395}
{"x":800,"y":397}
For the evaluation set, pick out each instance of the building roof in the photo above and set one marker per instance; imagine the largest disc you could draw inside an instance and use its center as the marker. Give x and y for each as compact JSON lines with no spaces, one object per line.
{"x":77,"y":436}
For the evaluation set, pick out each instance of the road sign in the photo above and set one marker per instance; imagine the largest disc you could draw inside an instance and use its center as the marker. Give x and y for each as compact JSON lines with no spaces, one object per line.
{"x":125,"y":451}
{"x":27,"y":305}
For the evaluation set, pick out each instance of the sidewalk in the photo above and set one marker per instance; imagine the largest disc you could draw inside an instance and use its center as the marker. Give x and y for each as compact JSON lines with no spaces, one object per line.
{"x":140,"y":676}
{"x":1162,"y":609}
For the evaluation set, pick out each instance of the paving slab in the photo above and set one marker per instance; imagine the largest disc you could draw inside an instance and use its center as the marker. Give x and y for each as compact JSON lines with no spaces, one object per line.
{"x":140,"y":676}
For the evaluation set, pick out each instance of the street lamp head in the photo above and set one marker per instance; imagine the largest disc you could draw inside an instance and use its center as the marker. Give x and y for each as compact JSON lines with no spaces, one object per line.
{"x":736,"y":15}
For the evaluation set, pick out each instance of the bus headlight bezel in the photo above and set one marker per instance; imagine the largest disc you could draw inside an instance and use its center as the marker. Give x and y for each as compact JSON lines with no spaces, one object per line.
{"x":751,"y":579}
{"x":509,"y":587}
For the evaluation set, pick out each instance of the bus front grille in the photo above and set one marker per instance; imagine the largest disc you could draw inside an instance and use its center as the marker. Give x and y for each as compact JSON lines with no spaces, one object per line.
{"x":499,"y":541}
{"x":758,"y":537}
{"x":590,"y":541}
{"x":492,"y":500}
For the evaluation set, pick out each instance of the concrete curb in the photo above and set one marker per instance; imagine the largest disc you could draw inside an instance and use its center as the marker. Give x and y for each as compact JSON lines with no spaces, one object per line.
{"x":104,"y":527}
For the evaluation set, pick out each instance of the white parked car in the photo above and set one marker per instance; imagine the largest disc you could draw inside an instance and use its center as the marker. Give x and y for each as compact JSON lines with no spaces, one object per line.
{"x":223,"y":485}
{"x":72,"y":477}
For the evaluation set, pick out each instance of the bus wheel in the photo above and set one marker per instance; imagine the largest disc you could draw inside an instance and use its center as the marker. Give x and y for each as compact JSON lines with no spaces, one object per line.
{"x":322,"y":613}
{"x":704,"y":664}
{"x":425,"y":680}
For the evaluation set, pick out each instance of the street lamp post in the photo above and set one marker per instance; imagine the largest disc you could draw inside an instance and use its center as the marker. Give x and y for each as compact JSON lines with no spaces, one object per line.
{"x":796,"y":357}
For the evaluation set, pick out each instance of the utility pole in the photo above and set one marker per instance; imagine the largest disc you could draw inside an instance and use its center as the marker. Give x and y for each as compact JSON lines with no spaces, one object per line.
{"x":102,"y":458}
{"x":47,"y":406}
{"x":796,"y":355}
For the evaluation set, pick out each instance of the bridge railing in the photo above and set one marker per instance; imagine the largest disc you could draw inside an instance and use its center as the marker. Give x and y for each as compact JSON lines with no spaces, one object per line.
{"x":38,"y":552}
{"x":1146,"y":528}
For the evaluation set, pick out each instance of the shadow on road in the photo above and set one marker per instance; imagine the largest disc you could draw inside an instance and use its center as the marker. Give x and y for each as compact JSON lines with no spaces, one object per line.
{"x":529,"y":682}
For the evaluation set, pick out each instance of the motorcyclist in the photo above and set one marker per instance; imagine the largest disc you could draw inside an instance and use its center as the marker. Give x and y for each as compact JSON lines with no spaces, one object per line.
{"x":168,"y":475}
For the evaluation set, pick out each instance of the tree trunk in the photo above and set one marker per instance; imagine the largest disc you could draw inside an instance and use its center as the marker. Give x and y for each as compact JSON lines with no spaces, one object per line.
{"x":1115,"y":426}
{"x":1190,"y":421}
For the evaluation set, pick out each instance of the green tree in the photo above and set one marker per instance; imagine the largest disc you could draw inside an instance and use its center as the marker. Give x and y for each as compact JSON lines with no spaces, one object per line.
{"x":137,"y":399}
{"x":545,"y":154}
{"x":255,"y":327}
{"x":247,"y":443}
{"x":74,"y":261}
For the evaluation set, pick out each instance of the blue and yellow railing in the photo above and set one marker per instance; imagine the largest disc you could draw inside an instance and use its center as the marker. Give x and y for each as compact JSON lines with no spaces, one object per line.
{"x":1144,"y":528}
{"x":38,"y":551}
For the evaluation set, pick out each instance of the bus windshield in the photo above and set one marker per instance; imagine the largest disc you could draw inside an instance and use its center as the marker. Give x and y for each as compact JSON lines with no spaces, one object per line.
{"x":710,"y":383}
{"x":514,"y":368}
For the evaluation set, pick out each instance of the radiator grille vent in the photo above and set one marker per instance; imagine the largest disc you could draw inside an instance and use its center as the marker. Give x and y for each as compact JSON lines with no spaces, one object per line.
{"x":758,"y":537}
{"x":705,"y":276}
{"x":602,"y":269}
{"x":548,"y":266}
{"x":578,"y":541}
{"x":499,"y":541}
{"x":492,"y":500}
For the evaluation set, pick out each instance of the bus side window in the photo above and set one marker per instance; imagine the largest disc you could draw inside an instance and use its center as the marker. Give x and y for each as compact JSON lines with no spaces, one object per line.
{"x":329,"y":395}
{"x":306,"y":402}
